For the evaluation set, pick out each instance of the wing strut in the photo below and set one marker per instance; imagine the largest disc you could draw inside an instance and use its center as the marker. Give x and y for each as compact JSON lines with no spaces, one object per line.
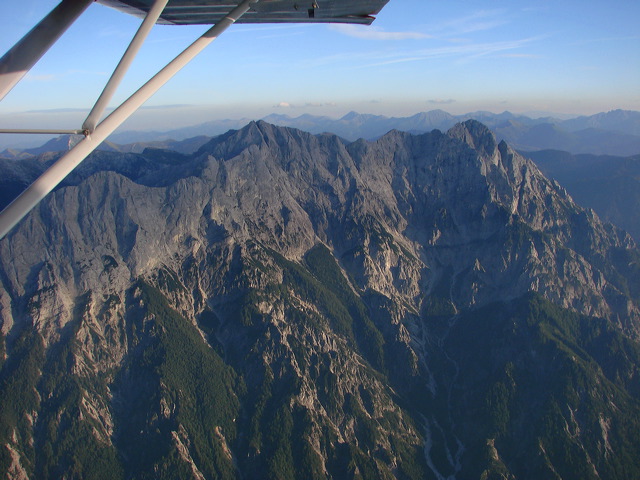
{"x":18,"y":61}
{"x":28,"y":199}
{"x":101,"y":104}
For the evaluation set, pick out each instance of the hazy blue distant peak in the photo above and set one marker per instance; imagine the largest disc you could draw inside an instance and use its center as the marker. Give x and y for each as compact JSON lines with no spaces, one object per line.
{"x":614,"y":133}
{"x":623,"y":121}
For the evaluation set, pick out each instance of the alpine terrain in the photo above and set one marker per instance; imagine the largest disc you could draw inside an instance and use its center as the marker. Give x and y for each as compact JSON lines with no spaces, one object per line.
{"x":281,"y":305}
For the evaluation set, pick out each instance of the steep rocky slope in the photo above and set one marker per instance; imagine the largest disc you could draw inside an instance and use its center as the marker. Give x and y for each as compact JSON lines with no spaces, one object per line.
{"x":610,"y":185}
{"x":283,"y":305}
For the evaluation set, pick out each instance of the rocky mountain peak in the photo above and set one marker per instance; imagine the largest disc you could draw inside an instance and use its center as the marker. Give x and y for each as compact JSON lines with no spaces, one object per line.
{"x":476,"y":135}
{"x":259,"y":135}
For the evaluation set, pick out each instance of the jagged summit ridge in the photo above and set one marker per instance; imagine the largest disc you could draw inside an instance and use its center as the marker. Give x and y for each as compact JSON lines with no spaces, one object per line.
{"x":291,"y":189}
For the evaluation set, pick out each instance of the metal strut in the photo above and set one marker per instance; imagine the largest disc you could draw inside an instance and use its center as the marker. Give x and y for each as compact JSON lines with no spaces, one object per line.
{"x":42,"y":131}
{"x":149,"y":21}
{"x":18,"y":61}
{"x":28,"y":199}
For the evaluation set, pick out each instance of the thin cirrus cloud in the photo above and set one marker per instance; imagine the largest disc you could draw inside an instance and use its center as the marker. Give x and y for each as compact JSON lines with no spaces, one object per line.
{"x":463,"y":52}
{"x":482,"y":20}
{"x":436,"y":101}
{"x":287,"y":105}
{"x":373,"y":33}
{"x":49,"y":77}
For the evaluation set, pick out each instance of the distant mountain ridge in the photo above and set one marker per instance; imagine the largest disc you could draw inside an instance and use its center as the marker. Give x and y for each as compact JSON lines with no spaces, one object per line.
{"x":612,"y":133}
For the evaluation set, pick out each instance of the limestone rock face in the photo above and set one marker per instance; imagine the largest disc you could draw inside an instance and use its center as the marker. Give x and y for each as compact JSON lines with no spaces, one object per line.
{"x":284,"y":305}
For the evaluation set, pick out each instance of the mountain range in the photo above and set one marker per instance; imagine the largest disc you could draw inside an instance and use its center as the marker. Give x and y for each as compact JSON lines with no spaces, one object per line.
{"x":612,"y":133}
{"x":285,"y":305}
{"x":608,"y":184}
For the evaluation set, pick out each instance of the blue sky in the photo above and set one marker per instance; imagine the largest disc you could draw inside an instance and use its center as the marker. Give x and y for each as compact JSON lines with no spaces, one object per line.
{"x":571,"y":57}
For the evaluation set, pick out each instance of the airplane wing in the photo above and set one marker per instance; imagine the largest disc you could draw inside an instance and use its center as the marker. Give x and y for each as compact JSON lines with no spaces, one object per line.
{"x":190,"y":12}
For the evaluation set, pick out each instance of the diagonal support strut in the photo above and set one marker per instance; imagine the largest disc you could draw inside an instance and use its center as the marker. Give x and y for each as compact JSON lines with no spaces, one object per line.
{"x":25,"y":54}
{"x":149,"y":21}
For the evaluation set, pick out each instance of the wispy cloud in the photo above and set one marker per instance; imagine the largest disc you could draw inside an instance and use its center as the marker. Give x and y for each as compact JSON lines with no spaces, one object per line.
{"x":30,"y":77}
{"x":447,"y":101}
{"x":114,"y":32}
{"x":287,"y":105}
{"x":463,"y":52}
{"x":481,"y":20}
{"x":373,"y":33}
